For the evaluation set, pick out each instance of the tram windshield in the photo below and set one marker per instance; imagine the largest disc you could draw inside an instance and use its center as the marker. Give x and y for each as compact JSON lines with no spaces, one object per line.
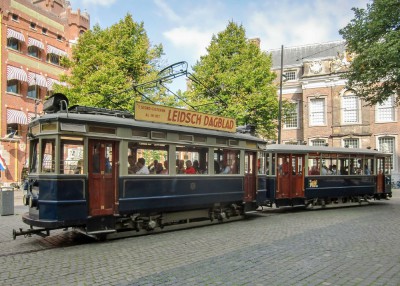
{"x":71,"y":161}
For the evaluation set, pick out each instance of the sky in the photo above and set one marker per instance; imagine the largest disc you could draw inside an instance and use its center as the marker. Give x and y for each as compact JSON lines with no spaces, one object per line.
{"x":185,"y":27}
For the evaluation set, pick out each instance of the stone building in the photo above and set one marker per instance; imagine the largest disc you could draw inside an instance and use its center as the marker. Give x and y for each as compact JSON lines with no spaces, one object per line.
{"x":326,"y":111}
{"x":34,"y":36}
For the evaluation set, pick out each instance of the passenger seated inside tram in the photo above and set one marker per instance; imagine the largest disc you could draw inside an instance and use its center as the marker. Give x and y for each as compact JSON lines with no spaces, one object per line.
{"x":159,"y":168}
{"x":225,"y":168}
{"x":132,"y":168}
{"x":189,"y":168}
{"x":180,"y":166}
{"x":196,"y":166}
{"x":79,"y":167}
{"x":142,"y":168}
{"x":366,"y":170}
{"x":324,"y":170}
{"x":165,"y":170}
{"x":314,"y":170}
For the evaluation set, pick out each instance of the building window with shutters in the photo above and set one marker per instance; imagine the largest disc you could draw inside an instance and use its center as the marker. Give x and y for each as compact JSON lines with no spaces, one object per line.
{"x":351,"y":143}
{"x":317,"y":112}
{"x":350,"y":108}
{"x":386,"y":144}
{"x":385,"y":112}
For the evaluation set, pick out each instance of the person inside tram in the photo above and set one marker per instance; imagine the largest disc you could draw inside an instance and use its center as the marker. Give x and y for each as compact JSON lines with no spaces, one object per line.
{"x":159,"y":168}
{"x":225,"y":168}
{"x":334,"y":170}
{"x":366,"y":170}
{"x":132,"y":168}
{"x":180,"y":167}
{"x":216,"y":167}
{"x":189,"y":168}
{"x":79,"y":167}
{"x":196,"y":166}
{"x":165,"y":171}
{"x":142,"y":168}
{"x":285,"y":167}
{"x":152,"y":167}
{"x":324,"y":170}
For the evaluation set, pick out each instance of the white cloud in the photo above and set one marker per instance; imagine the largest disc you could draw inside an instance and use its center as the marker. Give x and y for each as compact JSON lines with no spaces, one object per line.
{"x":167,"y":11}
{"x":306,"y":23}
{"x":191,"y":39}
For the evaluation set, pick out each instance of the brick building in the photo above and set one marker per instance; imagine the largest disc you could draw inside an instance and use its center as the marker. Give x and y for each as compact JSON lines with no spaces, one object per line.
{"x":326,"y":111}
{"x":34,"y":36}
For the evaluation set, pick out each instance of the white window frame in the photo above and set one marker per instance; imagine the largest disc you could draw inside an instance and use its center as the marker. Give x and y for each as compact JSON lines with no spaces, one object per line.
{"x":290,"y":75}
{"x":318,"y":142}
{"x":348,"y":112}
{"x":293,"y":117}
{"x":389,"y":149}
{"x":387,"y":107}
{"x":346,"y":141}
{"x":314,"y":122}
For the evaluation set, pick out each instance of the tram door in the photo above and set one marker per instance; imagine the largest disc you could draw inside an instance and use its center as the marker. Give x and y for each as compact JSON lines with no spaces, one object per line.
{"x":250,"y":176}
{"x":102,"y":177}
{"x":290,"y":176}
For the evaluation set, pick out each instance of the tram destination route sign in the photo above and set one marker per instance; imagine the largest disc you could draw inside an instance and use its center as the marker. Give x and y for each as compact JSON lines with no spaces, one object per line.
{"x":175,"y":116}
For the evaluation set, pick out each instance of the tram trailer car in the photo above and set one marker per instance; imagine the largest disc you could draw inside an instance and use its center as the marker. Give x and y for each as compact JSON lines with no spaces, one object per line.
{"x":309,"y":175}
{"x":81,"y":174}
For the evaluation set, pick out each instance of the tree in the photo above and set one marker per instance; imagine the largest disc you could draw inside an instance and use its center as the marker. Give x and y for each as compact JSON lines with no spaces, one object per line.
{"x":106,"y":64}
{"x":374,"y":37}
{"x":237,"y":81}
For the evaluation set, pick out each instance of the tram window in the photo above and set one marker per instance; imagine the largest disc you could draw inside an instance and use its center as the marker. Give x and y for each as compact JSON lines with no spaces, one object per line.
{"x":272,"y":167}
{"x":226,"y":161}
{"x":262,"y":163}
{"x":48,"y":155}
{"x":34,"y":162}
{"x":314,"y":164}
{"x":71,"y":161}
{"x":155,"y":159}
{"x":191,"y":160}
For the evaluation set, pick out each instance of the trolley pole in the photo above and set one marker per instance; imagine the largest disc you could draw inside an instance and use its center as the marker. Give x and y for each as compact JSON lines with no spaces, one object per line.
{"x":280,"y":100}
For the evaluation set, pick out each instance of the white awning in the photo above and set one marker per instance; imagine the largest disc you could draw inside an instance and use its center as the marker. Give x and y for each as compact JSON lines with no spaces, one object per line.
{"x":54,"y":50}
{"x":16,"y":73}
{"x":36,"y":79}
{"x":16,"y":116}
{"x":36,"y":43}
{"x":51,"y":81}
{"x":14,"y":34}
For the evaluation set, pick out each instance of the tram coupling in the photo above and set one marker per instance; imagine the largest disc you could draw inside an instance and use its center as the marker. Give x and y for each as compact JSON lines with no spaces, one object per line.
{"x":43,"y":232}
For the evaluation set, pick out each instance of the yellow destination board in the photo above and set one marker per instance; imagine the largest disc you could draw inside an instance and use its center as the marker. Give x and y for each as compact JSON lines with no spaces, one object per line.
{"x":164,"y":114}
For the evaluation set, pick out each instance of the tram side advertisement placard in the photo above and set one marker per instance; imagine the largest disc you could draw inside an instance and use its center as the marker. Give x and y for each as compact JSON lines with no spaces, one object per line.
{"x":164,"y":114}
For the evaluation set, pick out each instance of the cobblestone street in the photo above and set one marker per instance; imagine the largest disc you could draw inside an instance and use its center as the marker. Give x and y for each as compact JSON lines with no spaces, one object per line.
{"x":357,"y":245}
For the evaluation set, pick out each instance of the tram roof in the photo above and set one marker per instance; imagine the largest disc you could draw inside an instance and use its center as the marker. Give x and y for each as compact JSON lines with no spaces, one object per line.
{"x":303,"y":149}
{"x":107,"y":120}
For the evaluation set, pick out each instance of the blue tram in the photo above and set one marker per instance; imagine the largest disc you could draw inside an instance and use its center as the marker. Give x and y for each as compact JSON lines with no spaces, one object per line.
{"x":104,"y":173}
{"x":292,"y":175}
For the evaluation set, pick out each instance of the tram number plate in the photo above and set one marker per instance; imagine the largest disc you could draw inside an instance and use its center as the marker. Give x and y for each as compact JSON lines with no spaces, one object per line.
{"x":313,"y":183}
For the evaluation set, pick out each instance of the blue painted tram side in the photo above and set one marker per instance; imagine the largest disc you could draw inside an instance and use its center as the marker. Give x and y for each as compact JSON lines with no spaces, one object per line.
{"x":79,"y":175}
{"x":305,"y":175}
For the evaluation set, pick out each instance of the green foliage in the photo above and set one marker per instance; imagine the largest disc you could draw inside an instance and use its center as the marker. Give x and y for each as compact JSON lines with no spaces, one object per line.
{"x":238,"y":81}
{"x":106,"y":63}
{"x":374,"y":36}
